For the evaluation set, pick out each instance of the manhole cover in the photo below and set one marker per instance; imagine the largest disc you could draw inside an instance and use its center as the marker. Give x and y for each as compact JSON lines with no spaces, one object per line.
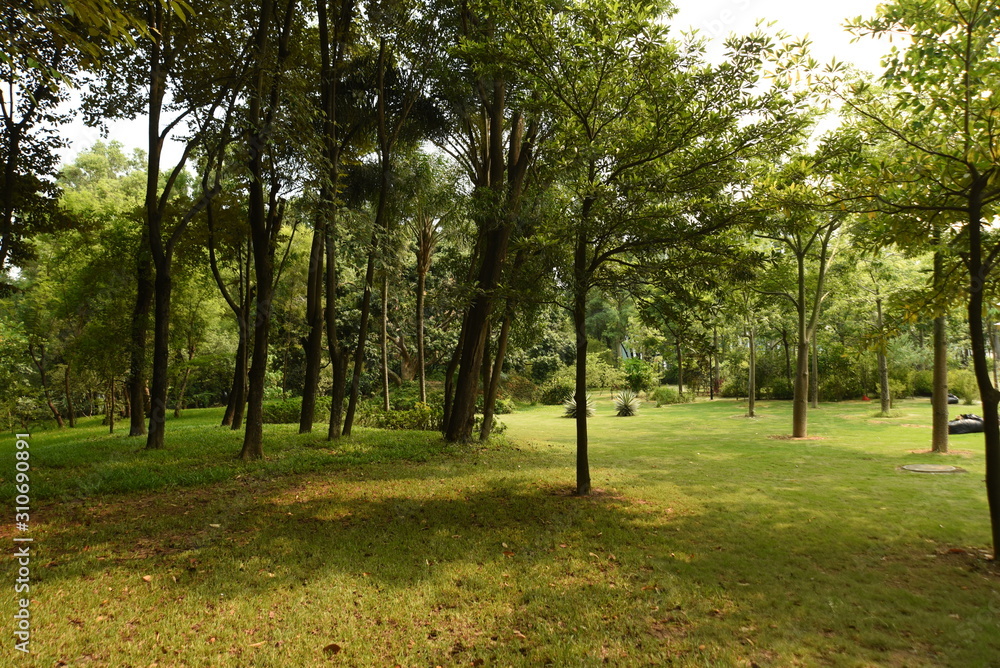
{"x":932,"y":468}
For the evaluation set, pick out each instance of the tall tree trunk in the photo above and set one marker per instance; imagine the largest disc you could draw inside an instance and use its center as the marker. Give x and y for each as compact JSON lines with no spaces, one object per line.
{"x":385,"y":340}
{"x":313,"y":344}
{"x":110,"y":406}
{"x":885,"y":396}
{"x":137,"y":340}
{"x":788,"y":356}
{"x":580,"y":329}
{"x":752,"y":379}
{"x":939,"y":393}
{"x":493,"y":387}
{"x":814,"y":376}
{"x":161,"y":355}
{"x":987,"y":392}
{"x":680,"y":367}
{"x":240,"y":374}
{"x":801,"y":386}
{"x":70,"y":411}
{"x":991,"y":330}
{"x":421,"y":363}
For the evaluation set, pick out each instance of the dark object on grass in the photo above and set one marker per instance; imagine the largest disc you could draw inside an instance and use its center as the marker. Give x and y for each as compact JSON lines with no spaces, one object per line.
{"x":952,"y":399}
{"x":967,"y":423}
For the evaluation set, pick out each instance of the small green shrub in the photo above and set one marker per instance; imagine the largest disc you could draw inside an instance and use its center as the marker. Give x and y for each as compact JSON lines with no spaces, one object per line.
{"x":570,"y":406}
{"x":922,"y":383}
{"x":665,"y":395}
{"x":498,"y":426}
{"x":963,"y":384}
{"x":780,"y":389}
{"x":734,"y":387}
{"x":520,"y":388}
{"x":555,"y":393}
{"x":626,"y":403}
{"x":287,"y":411}
{"x":638,"y":374}
{"x":420,"y":417}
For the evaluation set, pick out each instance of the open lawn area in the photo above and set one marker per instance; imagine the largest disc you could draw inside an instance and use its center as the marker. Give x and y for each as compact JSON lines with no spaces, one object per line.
{"x":707,"y":542}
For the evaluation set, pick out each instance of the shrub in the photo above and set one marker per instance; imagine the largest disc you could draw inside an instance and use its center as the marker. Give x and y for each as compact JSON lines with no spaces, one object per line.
{"x":735,"y":387}
{"x":963,"y":384}
{"x":665,"y":394}
{"x":498,"y":426}
{"x":503,"y":406}
{"x":520,"y":388}
{"x":420,"y":417}
{"x":922,"y":383}
{"x":626,"y":403}
{"x":570,"y":406}
{"x":781,"y":389}
{"x":638,"y":374}
{"x":287,"y":411}
{"x":555,"y":393}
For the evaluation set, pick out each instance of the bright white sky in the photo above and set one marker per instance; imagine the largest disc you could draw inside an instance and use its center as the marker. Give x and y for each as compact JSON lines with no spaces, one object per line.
{"x":821,"y":21}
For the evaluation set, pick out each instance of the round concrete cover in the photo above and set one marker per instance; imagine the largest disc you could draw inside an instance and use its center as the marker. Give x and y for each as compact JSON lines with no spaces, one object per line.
{"x":933,"y":468}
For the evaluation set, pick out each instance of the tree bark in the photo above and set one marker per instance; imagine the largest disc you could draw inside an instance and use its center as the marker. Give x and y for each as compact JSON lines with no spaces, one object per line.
{"x":43,"y":374}
{"x":313,"y":344}
{"x":384,"y":343}
{"x":939,"y":394}
{"x":580,"y":328}
{"x":70,"y":411}
{"x":814,"y":376}
{"x":493,"y":387}
{"x":137,"y":340}
{"x":752,"y":379}
{"x":680,"y":367}
{"x":885,"y":396}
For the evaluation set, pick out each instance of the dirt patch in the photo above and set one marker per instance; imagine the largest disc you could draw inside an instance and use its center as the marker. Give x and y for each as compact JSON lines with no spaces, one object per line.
{"x":918,"y":426}
{"x":786,"y":437}
{"x":961,"y":453}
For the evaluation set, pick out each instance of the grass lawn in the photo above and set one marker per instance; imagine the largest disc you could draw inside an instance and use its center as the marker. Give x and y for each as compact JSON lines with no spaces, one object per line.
{"x":708,"y":542}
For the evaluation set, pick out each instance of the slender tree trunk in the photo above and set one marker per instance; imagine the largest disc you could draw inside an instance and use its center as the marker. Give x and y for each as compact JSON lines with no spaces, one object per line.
{"x":715,"y":363}
{"x":493,"y":387}
{"x":137,"y":341}
{"x":987,"y":392}
{"x":994,"y":344}
{"x":110,"y":406}
{"x":801,"y":387}
{"x":580,"y":328}
{"x":752,"y":380}
{"x":241,"y":374}
{"x":939,"y":395}
{"x":313,"y":344}
{"x":385,"y":340}
{"x":161,"y":356}
{"x":421,"y":364}
{"x":359,"y":351}
{"x":680,"y":367}
{"x":885,"y":396}
{"x":814,"y":376}
{"x":788,"y":356}
{"x":70,"y":410}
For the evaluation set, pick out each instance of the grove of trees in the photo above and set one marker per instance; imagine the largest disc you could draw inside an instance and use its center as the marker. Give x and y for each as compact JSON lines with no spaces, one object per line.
{"x":411,"y":214}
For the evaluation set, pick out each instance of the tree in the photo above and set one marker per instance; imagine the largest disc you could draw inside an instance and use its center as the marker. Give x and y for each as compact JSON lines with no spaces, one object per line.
{"x":937,"y":108}
{"x":649,"y":138}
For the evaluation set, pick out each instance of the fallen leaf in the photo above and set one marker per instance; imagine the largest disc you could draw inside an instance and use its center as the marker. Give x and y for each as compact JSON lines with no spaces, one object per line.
{"x":332,"y":648}
{"x":257,"y":644}
{"x":212,"y":639}
{"x":508,"y":553}
{"x":563,"y":545}
{"x":147,"y":578}
{"x":215,"y":526}
{"x":520,"y":635}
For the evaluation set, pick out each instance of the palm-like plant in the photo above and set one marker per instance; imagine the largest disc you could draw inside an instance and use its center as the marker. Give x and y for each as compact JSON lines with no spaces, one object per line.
{"x":570,"y":405}
{"x":626,"y":403}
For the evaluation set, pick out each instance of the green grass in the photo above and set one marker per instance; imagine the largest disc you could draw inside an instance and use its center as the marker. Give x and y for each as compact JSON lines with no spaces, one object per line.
{"x":707,"y":543}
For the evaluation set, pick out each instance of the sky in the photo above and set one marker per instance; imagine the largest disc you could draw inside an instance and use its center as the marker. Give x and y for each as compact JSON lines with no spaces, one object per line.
{"x":714,"y":19}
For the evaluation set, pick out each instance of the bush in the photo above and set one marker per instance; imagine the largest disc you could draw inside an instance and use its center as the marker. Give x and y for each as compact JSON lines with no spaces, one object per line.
{"x":963,"y":384}
{"x":287,"y":411}
{"x":420,"y":417}
{"x":638,"y":374}
{"x":626,"y":403}
{"x":922,"y":383}
{"x":498,"y":426}
{"x":665,"y":394}
{"x":555,"y":393}
{"x":735,"y":387}
{"x":520,"y":388}
{"x":570,"y":406}
{"x":781,"y":389}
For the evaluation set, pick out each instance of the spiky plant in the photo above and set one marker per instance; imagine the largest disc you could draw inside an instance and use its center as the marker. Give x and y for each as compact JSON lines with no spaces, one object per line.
{"x":570,"y":405}
{"x":626,"y":403}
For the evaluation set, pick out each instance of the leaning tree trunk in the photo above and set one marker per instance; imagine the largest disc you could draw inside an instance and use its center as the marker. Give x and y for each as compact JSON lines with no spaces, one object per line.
{"x":987,"y":392}
{"x":493,"y":387}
